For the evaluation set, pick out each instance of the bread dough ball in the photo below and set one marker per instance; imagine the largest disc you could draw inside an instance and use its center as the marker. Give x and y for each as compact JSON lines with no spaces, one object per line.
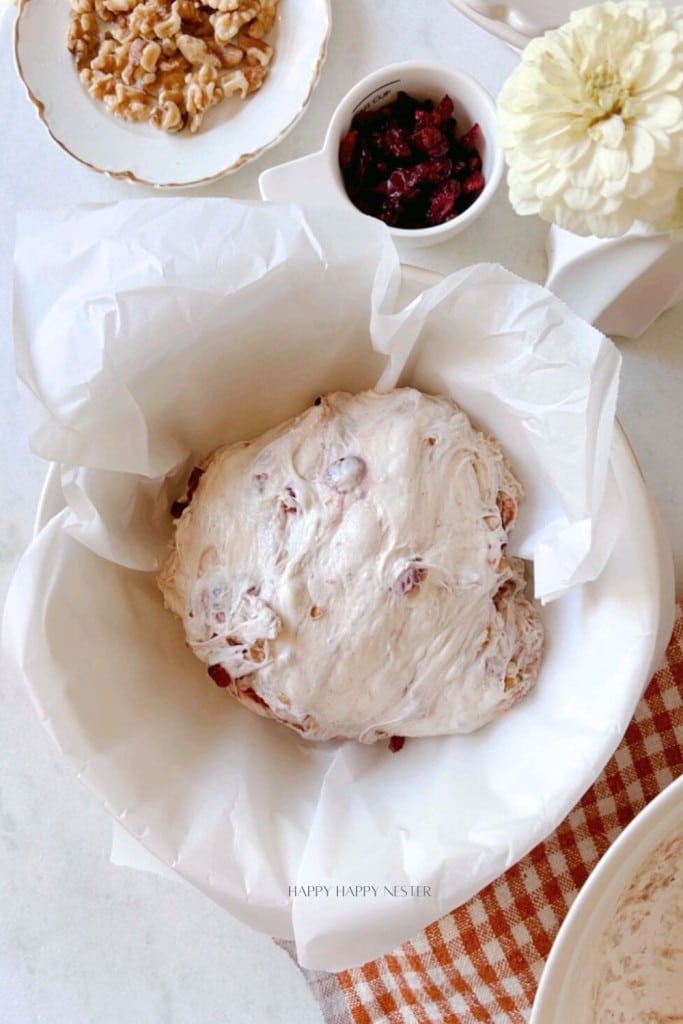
{"x":346,"y":573}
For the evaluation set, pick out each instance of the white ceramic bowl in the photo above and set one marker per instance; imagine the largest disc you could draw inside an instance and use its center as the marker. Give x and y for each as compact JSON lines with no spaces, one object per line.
{"x":505,"y":792}
{"x":565,"y":991}
{"x":317,"y":180}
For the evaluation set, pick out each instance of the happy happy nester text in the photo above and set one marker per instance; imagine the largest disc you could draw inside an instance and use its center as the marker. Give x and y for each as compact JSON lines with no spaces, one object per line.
{"x":316,"y":891}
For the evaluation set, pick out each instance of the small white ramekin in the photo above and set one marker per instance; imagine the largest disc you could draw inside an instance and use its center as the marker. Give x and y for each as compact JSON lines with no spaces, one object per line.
{"x":316,"y":179}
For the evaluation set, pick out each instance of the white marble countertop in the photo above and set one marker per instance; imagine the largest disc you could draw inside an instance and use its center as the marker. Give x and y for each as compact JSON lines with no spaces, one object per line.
{"x":81,"y":940}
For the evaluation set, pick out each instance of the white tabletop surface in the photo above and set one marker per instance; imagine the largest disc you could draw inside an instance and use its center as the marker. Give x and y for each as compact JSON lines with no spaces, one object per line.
{"x":83,"y":941}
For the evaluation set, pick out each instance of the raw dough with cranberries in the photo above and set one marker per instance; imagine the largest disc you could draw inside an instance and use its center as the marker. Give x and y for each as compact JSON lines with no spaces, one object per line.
{"x":346,"y":573}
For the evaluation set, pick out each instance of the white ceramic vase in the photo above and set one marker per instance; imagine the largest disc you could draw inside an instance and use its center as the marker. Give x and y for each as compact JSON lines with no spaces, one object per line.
{"x":621,"y":285}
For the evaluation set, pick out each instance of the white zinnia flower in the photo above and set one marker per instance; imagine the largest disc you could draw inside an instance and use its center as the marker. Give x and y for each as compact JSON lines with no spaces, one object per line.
{"x":591,"y":121}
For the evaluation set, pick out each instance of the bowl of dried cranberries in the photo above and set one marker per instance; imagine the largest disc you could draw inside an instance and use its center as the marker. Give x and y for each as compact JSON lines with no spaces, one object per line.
{"x":412,"y":144}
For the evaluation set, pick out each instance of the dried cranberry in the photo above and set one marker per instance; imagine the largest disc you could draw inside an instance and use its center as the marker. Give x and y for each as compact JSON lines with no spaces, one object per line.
{"x":445,"y":109}
{"x":471,"y":189}
{"x":430,"y":139}
{"x":403,"y":179}
{"x":436,"y":170}
{"x":404,"y":107}
{"x":396,"y":743}
{"x":220,"y":675}
{"x":410,"y":579}
{"x":347,"y":148}
{"x":365,"y":120}
{"x":442,"y":202}
{"x":193,"y":481}
{"x":288,"y":503}
{"x":391,"y":212}
{"x":427,"y":117}
{"x":474,"y":183}
{"x":472,"y":138}
{"x":256,"y":697}
{"x":394,"y":142}
{"x":178,"y":507}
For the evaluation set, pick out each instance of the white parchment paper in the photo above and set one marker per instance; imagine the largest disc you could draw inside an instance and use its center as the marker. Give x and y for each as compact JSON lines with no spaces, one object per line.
{"x":150,"y":331}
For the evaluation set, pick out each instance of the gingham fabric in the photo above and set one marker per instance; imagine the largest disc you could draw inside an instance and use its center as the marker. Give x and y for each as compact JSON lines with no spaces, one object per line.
{"x":482,"y":962}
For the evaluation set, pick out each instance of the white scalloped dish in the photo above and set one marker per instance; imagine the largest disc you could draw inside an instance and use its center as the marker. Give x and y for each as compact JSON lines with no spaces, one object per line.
{"x":233,"y":132}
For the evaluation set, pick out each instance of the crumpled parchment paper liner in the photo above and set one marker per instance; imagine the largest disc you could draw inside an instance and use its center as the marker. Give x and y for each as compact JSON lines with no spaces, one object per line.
{"x":148,"y":332}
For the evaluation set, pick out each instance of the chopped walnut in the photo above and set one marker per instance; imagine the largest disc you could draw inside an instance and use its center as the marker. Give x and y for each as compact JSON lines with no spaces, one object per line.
{"x":196,"y":53}
{"x":507,"y":508}
{"x":226,"y":25}
{"x":169,"y":61}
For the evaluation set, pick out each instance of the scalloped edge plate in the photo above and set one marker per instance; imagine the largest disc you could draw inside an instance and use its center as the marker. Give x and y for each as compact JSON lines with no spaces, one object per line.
{"x":233,"y":133}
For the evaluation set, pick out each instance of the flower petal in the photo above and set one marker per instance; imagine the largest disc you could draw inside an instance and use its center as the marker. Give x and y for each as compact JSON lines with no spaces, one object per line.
{"x":591,"y":120}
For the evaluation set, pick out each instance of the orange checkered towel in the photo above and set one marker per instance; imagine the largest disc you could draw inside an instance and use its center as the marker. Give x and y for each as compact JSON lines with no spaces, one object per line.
{"x":483,"y":961}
